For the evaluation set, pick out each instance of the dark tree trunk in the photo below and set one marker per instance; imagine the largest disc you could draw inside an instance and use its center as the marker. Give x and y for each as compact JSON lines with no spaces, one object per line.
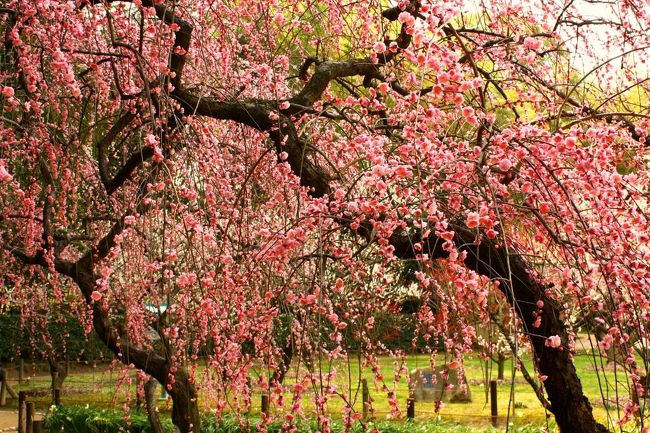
{"x":185,"y":412}
{"x":572,"y":410}
{"x":501,"y":363}
{"x":150,"y":403}
{"x":58,"y":373}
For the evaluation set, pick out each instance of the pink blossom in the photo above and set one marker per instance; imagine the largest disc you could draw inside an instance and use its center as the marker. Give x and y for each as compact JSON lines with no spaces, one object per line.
{"x":571,"y":142}
{"x":473,"y":220}
{"x":379,"y":47}
{"x":448,"y":235}
{"x":95,"y":295}
{"x":278,"y":19}
{"x":5,"y":176}
{"x":505,"y":164}
{"x":553,"y":342}
{"x":151,"y":140}
{"x":532,"y":43}
{"x":403,"y":171}
{"x":406,"y":18}
{"x":157,"y":155}
{"x":8,"y":92}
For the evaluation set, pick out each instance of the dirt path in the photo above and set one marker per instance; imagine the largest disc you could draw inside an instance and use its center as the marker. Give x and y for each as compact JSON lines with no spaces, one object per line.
{"x":9,"y":420}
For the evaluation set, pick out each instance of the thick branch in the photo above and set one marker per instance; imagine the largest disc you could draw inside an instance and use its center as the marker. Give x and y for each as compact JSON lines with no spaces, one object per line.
{"x":328,"y":71}
{"x":102,"y":147}
{"x":131,"y":164}
{"x":81,"y":273}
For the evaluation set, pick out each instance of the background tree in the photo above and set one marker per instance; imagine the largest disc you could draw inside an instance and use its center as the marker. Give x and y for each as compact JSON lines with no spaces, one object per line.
{"x":222,"y":159}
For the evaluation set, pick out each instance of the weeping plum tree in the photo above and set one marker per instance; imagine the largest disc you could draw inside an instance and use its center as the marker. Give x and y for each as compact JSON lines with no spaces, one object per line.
{"x":197,"y":171}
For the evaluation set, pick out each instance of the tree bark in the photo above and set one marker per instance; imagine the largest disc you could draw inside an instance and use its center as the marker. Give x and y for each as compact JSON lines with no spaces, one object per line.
{"x":501,"y":364}
{"x":150,"y":387}
{"x":185,"y":412}
{"x":571,"y":408}
{"x":58,"y":372}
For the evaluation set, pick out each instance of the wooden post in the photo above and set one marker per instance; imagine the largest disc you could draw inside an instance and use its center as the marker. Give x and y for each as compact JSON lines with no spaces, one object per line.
{"x":3,"y":389}
{"x":365,"y":397}
{"x":493,"y":402}
{"x":22,"y":398}
{"x":29,"y":417}
{"x":265,"y":404}
{"x":37,"y":426}
{"x":410,"y":408}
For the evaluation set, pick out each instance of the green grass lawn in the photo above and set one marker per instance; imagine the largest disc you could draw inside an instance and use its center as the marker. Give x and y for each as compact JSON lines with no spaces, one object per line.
{"x":517,"y":404}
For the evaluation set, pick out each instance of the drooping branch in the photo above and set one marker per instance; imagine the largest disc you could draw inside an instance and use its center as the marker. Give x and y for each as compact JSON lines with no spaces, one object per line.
{"x":586,"y":109}
{"x":182,"y":34}
{"x":102,"y":148}
{"x":487,"y":258}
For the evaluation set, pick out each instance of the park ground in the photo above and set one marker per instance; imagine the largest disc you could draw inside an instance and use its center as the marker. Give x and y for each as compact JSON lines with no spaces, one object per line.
{"x":518,"y":405}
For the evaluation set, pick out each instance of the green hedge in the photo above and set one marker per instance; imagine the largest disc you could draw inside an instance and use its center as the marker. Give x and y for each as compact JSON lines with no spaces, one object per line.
{"x":68,"y":337}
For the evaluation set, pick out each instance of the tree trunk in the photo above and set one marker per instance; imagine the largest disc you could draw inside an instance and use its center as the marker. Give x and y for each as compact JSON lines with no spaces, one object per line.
{"x":501,"y":363}
{"x":572,"y":410}
{"x":150,"y":403}
{"x":58,"y":373}
{"x":185,"y":411}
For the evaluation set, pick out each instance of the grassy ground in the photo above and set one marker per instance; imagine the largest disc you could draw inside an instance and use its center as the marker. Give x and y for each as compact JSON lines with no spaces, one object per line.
{"x":517,"y":404}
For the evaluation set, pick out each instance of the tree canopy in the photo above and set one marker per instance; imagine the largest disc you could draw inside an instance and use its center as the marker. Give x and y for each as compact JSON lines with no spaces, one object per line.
{"x":191,"y":174}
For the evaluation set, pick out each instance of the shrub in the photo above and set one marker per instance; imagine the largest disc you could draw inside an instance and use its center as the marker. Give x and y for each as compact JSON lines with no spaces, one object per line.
{"x":67,"y":336}
{"x":80,"y":419}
